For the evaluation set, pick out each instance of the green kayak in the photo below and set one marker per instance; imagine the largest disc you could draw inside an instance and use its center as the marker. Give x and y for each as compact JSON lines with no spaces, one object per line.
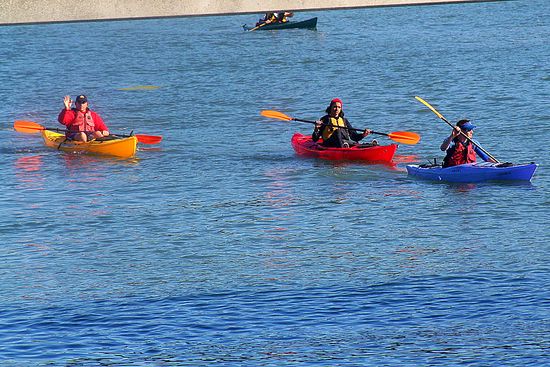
{"x":308,"y":24}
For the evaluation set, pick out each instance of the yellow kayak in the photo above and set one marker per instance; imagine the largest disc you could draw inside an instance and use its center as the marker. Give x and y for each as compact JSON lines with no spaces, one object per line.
{"x":118,"y":147}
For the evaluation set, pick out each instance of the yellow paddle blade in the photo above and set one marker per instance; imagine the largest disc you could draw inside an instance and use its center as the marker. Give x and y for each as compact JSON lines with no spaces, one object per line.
{"x":430,"y":107}
{"x":275,"y":115}
{"x":28,"y":127}
{"x":404,"y":137}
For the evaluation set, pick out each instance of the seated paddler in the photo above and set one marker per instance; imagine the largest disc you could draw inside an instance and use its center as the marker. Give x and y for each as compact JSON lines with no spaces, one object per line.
{"x":335,"y":129}
{"x":459,"y":146}
{"x":268,"y":18}
{"x":82,"y":123}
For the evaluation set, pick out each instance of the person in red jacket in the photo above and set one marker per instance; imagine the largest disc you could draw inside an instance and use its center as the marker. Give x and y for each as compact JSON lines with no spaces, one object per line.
{"x":82,"y":123}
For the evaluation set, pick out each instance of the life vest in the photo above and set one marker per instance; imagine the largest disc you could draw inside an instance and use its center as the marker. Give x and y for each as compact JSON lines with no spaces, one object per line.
{"x":83,"y":122}
{"x":329,"y":130}
{"x":281,"y":17}
{"x":460,"y":153}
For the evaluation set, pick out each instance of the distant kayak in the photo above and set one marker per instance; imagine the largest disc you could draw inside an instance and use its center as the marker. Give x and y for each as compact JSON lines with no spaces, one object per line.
{"x":304,"y":146}
{"x":474,"y":172}
{"x":307,"y":24}
{"x":116,"y":147}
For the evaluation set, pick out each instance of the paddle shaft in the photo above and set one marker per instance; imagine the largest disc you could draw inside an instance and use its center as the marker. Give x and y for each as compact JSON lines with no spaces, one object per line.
{"x":64,"y":131}
{"x":29,"y":125}
{"x":259,"y":26}
{"x":451,"y":125}
{"x":340,"y":127}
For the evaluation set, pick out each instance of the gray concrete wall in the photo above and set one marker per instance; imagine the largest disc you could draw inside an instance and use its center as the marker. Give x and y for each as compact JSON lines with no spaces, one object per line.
{"x":39,"y":11}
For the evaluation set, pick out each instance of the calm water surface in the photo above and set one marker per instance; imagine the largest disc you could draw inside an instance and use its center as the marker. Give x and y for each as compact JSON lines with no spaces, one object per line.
{"x":220,"y":247}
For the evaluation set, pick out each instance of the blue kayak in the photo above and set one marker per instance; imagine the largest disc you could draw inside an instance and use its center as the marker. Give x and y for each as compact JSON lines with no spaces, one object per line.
{"x":474,"y":172}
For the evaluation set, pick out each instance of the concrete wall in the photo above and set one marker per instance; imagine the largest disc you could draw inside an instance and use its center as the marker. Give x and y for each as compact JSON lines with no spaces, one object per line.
{"x":38,"y":11}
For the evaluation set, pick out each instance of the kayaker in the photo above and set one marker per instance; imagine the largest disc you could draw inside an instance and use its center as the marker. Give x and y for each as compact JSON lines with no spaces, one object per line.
{"x":282,"y":17}
{"x":278,"y":17}
{"x":82,"y":123}
{"x":268,"y":18}
{"x":459,"y":149}
{"x":331,"y":128}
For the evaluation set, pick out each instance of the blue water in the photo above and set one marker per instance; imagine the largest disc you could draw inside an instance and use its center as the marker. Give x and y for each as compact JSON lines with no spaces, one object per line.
{"x":220,"y":247}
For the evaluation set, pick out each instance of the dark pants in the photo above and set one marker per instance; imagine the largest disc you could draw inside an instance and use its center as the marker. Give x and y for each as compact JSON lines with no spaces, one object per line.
{"x":338,"y":138}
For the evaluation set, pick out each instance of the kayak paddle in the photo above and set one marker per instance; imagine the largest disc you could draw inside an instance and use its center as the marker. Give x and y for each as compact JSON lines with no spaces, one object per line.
{"x":404,"y":137}
{"x":31,"y":127}
{"x":259,"y":26}
{"x":451,"y":125}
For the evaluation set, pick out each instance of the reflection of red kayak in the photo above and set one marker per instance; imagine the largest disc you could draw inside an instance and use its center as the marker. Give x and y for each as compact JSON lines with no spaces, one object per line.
{"x":304,"y":146}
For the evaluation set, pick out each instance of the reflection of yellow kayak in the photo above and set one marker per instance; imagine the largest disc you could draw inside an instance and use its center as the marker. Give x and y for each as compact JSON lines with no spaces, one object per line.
{"x":118,"y":147}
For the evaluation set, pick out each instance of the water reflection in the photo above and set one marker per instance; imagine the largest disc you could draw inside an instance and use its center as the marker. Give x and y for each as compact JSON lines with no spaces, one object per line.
{"x":80,"y":160}
{"x":28,"y":172}
{"x":29,"y":163}
{"x":405,"y":159}
{"x":463,"y":187}
{"x":278,"y":194}
{"x":346,"y":163}
{"x":412,"y":256}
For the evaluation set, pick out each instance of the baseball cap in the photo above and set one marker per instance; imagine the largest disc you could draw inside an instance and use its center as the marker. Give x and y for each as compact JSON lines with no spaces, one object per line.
{"x":81,"y":99}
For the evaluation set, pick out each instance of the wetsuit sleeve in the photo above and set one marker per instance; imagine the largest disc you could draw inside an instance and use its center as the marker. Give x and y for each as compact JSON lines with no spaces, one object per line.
{"x":318,"y":132}
{"x":481,"y":154}
{"x":354,"y":135}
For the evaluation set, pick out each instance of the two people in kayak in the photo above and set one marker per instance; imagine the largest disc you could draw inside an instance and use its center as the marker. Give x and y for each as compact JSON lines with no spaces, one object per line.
{"x":460,"y":147}
{"x":335,"y":130}
{"x":82,"y":123}
{"x":277,"y":17}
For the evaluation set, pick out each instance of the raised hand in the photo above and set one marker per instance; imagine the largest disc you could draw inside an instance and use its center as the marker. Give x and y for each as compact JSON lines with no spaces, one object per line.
{"x":67,"y":101}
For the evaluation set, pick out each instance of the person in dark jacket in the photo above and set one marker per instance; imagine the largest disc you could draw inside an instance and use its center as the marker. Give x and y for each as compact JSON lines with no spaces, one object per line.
{"x":459,"y":149}
{"x":335,"y":129}
{"x":268,"y":18}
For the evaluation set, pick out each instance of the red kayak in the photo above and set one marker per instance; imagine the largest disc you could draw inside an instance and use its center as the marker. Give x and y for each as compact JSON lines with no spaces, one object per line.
{"x":304,"y":146}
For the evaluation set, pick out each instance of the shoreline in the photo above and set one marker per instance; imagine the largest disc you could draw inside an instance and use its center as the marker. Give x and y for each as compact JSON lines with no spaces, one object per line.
{"x":23,"y":12}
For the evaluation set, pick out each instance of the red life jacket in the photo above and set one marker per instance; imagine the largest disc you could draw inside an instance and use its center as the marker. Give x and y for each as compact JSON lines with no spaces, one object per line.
{"x":459,"y":154}
{"x":83,"y":122}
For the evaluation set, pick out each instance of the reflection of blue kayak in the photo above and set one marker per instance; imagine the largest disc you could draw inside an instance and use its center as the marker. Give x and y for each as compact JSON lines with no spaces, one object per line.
{"x":474,"y":172}
{"x":309,"y":24}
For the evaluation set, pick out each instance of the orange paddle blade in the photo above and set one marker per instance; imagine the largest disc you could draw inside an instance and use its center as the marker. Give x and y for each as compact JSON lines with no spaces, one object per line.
{"x":404,"y":137}
{"x":275,"y":115}
{"x":28,"y":127}
{"x":148,"y":139}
